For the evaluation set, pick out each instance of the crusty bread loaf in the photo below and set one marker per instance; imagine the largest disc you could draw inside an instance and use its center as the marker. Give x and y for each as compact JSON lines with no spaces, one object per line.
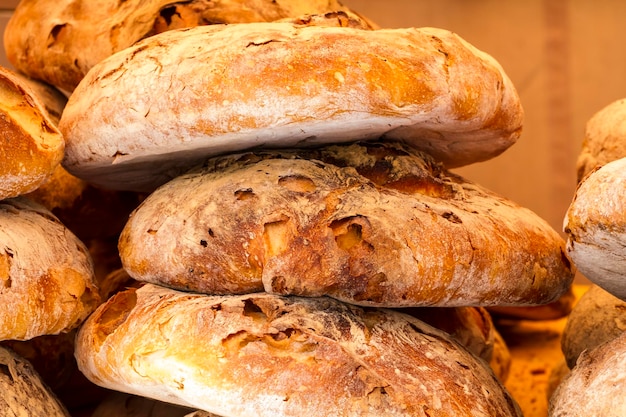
{"x":31,"y":147}
{"x":47,"y":283}
{"x":371,"y":223}
{"x":595,"y":224}
{"x":59,"y":41}
{"x":597,"y":318}
{"x":605,"y":138}
{"x":266,"y":355}
{"x":23,"y":391}
{"x":188,"y":94}
{"x":595,"y":387}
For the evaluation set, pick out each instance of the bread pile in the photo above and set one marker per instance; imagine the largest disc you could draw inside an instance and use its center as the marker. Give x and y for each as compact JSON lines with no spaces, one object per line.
{"x":301,"y":226}
{"x":594,"y":342}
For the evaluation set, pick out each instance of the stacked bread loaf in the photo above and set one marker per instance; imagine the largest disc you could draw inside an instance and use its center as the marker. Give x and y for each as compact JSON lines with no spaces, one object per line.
{"x":593,"y":341}
{"x":300,"y":212}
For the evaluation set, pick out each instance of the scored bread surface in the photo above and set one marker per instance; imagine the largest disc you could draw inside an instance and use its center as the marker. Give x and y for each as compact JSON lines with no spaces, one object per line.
{"x":196,"y":92}
{"x":267,"y":355}
{"x":371,"y":224}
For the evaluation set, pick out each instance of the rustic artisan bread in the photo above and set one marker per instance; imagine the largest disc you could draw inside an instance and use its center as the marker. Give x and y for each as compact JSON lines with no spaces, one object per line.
{"x":47,"y":283}
{"x":473,"y":328}
{"x":557,"y":309}
{"x":597,"y":318}
{"x":605,"y":138}
{"x":595,"y":225}
{"x":59,"y":41}
{"x":267,"y":355}
{"x":188,"y":94}
{"x":595,"y":387}
{"x":32,"y":146}
{"x":371,"y":223}
{"x":23,"y":391}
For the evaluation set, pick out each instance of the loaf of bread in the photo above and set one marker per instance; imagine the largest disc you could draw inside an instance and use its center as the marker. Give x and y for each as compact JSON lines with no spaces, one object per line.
{"x":189,"y":94}
{"x":605,"y":138}
{"x":32,"y":146}
{"x":267,"y":355}
{"x":23,"y":391}
{"x":597,"y":318}
{"x":47,"y":283}
{"x":370,"y":223}
{"x":59,"y":41}
{"x":595,"y":225}
{"x":595,"y":387}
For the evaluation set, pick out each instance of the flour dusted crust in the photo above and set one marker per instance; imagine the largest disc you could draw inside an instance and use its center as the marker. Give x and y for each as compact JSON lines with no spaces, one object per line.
{"x":31,"y":146}
{"x":46,"y":275}
{"x":267,"y":355}
{"x":192,"y":93}
{"x":23,"y":391}
{"x":370,"y":223}
{"x":595,"y":224}
{"x":59,"y":41}
{"x":605,"y":138}
{"x":595,"y":387}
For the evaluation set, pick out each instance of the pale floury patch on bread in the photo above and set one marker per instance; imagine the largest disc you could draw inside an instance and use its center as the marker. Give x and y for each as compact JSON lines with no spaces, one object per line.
{"x":266,"y":355}
{"x":47,"y":283}
{"x":145,"y":114}
{"x":32,"y":146}
{"x":595,"y":387}
{"x":58,"y":41}
{"x":605,"y":138}
{"x":371,"y":224}
{"x":23,"y":391}
{"x":595,"y":224}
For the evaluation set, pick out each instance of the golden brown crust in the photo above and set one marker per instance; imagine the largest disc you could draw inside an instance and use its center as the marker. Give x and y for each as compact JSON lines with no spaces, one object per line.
{"x":371,"y":224}
{"x":47,"y":284}
{"x":59,"y":41}
{"x":32,"y":146}
{"x":297,"y":356}
{"x":283,"y":85}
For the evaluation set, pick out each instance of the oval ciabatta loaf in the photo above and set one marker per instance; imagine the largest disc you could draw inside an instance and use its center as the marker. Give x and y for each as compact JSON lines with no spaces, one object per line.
{"x":370,"y":223}
{"x":188,"y":94}
{"x":23,"y":391}
{"x":595,"y":224}
{"x":595,"y":387}
{"x":58,"y":41}
{"x":31,"y":146}
{"x":47,"y":283}
{"x":267,"y":355}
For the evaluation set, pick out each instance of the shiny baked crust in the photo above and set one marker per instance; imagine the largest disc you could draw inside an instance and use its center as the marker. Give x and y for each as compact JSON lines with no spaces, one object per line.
{"x":58,"y":41}
{"x":32,"y":146}
{"x":266,"y":355}
{"x":371,"y":224}
{"x":47,"y":283}
{"x":147,"y":113}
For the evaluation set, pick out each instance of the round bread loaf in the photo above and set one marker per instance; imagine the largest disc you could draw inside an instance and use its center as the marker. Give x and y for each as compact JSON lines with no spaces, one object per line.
{"x":605,"y":138}
{"x":188,"y":94}
{"x":267,"y":355}
{"x":23,"y":391}
{"x":59,"y":41}
{"x":595,"y":224}
{"x":47,"y":283}
{"x":371,"y":224}
{"x":31,"y":147}
{"x":595,"y":387}
{"x":597,"y":318}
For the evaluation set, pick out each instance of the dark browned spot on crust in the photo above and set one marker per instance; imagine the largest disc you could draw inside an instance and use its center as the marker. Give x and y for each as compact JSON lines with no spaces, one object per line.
{"x":244,"y":194}
{"x":251,"y":309}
